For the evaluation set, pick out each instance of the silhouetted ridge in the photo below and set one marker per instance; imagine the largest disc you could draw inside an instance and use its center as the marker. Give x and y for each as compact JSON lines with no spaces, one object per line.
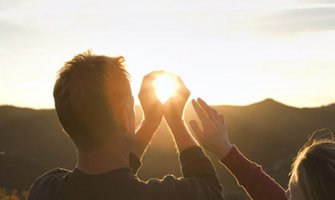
{"x":330,"y":107}
{"x":270,"y":104}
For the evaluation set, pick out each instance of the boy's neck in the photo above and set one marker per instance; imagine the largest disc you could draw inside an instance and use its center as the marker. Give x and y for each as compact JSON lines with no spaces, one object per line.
{"x":103,"y":159}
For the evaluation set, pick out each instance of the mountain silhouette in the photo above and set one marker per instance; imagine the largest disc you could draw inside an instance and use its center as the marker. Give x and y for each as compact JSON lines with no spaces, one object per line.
{"x":268,"y":132}
{"x":269,"y":104}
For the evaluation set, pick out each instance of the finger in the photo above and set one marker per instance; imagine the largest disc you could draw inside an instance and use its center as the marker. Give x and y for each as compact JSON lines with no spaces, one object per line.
{"x":203,"y":102}
{"x":182,"y":87}
{"x":197,"y":131}
{"x":207,"y":123}
{"x":201,"y":114}
{"x":213,"y":116}
{"x":147,"y":94}
{"x":149,"y":78}
{"x":154,"y":73}
{"x":204,"y":105}
{"x":212,"y":113}
{"x":147,"y":90}
{"x":195,"y":127}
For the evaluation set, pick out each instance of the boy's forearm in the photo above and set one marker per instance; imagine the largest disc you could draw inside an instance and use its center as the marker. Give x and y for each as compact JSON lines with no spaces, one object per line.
{"x":143,"y":137}
{"x":182,"y":136}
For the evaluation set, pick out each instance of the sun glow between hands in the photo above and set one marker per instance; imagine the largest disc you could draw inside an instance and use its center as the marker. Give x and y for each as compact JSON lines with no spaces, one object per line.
{"x":165,"y":86}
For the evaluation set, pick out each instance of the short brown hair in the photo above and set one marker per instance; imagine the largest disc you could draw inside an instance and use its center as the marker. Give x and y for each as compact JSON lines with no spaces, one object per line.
{"x":86,"y":93}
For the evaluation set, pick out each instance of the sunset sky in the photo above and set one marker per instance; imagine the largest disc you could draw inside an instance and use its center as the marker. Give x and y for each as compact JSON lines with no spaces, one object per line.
{"x":227,"y":51}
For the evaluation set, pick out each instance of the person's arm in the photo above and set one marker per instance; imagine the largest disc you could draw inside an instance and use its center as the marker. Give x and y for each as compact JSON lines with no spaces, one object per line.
{"x":199,"y":177}
{"x":173,"y":114}
{"x":153,"y":114}
{"x":214,"y":137}
{"x":258,"y":184}
{"x":142,"y":139}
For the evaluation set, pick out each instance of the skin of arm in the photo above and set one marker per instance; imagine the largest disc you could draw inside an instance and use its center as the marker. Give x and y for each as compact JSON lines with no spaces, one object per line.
{"x":153,"y":114}
{"x":173,"y":113}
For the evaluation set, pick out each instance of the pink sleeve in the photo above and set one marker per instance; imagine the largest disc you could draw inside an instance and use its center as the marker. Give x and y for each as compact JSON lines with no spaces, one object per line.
{"x":257,"y":183}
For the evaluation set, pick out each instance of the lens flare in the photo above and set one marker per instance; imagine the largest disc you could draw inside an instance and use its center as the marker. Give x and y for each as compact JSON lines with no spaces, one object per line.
{"x":165,"y":86}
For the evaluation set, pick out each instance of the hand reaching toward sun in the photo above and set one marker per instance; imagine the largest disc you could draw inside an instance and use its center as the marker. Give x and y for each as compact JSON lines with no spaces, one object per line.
{"x":214,"y":135}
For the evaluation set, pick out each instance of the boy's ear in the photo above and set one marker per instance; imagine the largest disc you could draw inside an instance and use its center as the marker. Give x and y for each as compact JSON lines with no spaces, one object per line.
{"x":125,"y":120}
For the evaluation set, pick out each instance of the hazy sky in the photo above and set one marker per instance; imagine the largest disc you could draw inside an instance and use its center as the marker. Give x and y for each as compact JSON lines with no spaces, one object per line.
{"x":227,"y":51}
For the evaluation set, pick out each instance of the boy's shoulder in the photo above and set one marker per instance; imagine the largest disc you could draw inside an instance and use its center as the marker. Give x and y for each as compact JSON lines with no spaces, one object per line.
{"x":48,"y":184}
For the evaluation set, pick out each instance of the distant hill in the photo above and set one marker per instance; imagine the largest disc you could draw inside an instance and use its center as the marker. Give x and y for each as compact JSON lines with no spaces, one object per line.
{"x":33,"y":142}
{"x":267,"y":132}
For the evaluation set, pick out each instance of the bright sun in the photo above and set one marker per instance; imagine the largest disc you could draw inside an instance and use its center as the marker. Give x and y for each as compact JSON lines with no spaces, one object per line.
{"x":165,"y":86}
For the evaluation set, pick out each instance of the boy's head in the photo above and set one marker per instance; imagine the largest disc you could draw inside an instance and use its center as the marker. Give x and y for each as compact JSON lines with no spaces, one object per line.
{"x":93,"y":99}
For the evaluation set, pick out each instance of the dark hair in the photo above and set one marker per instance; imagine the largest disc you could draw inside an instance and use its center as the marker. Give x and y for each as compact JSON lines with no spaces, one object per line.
{"x":87,"y":92}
